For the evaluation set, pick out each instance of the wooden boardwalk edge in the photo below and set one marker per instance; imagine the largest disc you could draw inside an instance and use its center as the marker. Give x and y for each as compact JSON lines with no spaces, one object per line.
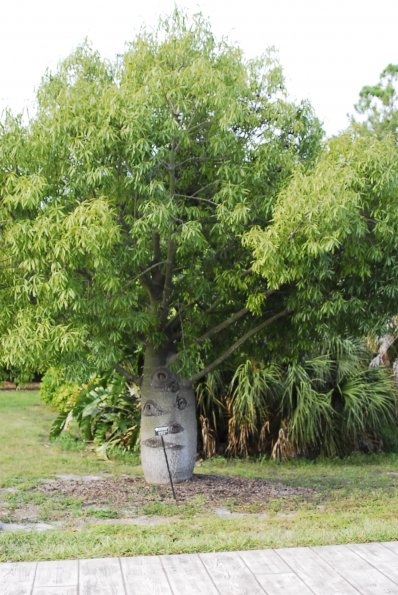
{"x":369,"y":569}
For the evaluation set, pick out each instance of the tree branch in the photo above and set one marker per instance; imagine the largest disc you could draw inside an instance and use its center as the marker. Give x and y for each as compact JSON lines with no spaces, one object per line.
{"x":198,"y":198}
{"x":237,"y":344}
{"x":123,"y":372}
{"x":213,"y":306}
{"x":200,"y":190}
{"x":148,"y":286}
{"x":156,"y":246}
{"x":171,"y":250}
{"x":171,"y":244}
{"x":220,"y":327}
{"x":153,"y":266}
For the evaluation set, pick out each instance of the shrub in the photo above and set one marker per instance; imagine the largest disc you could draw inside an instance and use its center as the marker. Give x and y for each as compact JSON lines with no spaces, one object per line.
{"x":66,"y":396}
{"x":106,"y":412}
{"x":56,"y":391}
{"x":329,"y":404}
{"x":51,"y":381}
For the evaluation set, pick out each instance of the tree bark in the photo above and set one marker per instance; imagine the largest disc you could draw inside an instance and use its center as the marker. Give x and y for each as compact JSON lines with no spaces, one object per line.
{"x":166,"y":400}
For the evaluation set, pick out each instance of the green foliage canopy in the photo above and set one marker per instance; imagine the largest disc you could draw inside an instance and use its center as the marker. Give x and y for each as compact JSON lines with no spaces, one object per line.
{"x":333,"y":240}
{"x":124,"y":199}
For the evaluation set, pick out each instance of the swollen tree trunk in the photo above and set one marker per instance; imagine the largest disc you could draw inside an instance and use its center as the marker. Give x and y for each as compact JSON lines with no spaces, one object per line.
{"x":166,"y":400}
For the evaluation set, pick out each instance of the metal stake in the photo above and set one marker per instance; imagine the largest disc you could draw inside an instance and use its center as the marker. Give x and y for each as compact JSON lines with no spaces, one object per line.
{"x":168,"y":469}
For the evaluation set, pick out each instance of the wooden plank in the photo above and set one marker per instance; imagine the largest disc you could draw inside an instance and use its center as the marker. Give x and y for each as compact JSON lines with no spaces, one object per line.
{"x":317,"y":574}
{"x":286,"y":583}
{"x":230,"y":574}
{"x":144,"y":575}
{"x":102,"y":576}
{"x":187,"y":575}
{"x":356,"y":570}
{"x":264,"y":562}
{"x":17,"y":579}
{"x":57,"y":574}
{"x":379,"y":556}
{"x":55,"y":591}
{"x":391,"y":545}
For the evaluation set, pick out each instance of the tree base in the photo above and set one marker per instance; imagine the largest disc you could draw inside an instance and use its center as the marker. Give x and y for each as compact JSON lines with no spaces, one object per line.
{"x":168,"y":402}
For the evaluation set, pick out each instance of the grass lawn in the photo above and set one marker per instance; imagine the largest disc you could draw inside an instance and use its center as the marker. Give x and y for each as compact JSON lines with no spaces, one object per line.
{"x":351,"y":500}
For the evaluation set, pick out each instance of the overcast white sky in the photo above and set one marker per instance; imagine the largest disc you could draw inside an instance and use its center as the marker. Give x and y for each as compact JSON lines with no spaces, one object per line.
{"x":329,"y":49}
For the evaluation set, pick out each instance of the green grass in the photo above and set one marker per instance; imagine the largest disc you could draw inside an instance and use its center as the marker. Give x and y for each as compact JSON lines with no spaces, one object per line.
{"x":103,"y":513}
{"x":356,"y":499}
{"x":27,"y":453}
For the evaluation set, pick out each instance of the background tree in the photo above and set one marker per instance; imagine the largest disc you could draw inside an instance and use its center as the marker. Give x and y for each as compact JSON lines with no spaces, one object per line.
{"x":378,"y":104}
{"x":123,"y":205}
{"x":378,"y":110}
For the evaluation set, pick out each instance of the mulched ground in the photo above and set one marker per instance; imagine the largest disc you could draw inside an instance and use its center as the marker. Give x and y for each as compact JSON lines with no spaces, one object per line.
{"x":122,"y":492}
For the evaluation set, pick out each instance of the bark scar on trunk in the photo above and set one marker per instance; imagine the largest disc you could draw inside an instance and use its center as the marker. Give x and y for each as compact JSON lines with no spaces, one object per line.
{"x":162,"y":379}
{"x":157,"y":443}
{"x":152,"y":409}
{"x":181,"y":403}
{"x":175,"y":428}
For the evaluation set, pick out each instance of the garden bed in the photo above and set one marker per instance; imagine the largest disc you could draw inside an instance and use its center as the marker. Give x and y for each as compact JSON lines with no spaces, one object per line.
{"x":215,"y":490}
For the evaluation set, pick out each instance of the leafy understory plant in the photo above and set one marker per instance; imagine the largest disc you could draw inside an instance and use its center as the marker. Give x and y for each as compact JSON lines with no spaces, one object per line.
{"x":57,"y":391}
{"x":211,"y":407}
{"x":106,"y":413}
{"x":331,"y":404}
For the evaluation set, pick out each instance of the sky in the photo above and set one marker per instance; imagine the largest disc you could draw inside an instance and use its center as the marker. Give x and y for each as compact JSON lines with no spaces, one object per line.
{"x":329,"y":49}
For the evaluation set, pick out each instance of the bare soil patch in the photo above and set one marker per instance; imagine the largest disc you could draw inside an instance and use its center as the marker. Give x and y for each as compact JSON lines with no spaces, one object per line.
{"x":125,"y":492}
{"x":79,"y":500}
{"x":6,"y":385}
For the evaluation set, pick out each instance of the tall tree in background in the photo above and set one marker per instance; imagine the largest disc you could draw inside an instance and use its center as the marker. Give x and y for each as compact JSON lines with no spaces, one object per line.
{"x":123,"y":204}
{"x":378,"y":104}
{"x":378,"y":114}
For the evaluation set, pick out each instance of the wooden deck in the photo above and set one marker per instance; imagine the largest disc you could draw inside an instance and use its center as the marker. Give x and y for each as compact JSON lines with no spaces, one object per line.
{"x":370,"y":569}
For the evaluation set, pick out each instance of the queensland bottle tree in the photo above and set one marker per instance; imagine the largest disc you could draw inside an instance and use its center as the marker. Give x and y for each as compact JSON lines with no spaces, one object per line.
{"x":124,"y":200}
